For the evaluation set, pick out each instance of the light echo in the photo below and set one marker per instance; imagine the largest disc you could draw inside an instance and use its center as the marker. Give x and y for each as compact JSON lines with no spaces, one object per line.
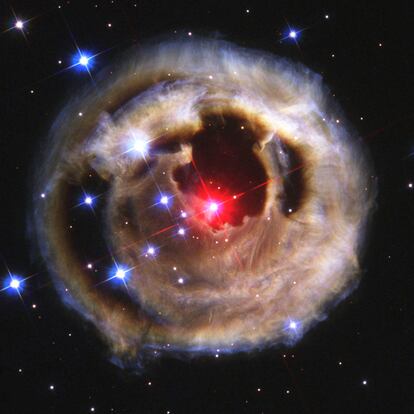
{"x":224,"y":161}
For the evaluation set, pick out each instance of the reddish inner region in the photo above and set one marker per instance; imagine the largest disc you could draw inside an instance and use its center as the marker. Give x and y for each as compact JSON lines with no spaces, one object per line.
{"x":225,"y":171}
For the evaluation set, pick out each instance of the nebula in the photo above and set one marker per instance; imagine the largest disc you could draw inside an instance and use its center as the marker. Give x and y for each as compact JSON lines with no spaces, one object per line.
{"x":232,"y":199}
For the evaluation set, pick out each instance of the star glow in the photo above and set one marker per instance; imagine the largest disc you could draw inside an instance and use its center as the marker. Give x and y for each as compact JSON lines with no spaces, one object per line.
{"x":293,"y":325}
{"x":120,"y":273}
{"x":140,"y":146}
{"x":213,"y":207}
{"x":15,"y":284}
{"x":83,"y":60}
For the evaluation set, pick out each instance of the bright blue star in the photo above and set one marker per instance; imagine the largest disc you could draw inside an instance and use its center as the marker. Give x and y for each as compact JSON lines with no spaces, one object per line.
{"x":83,"y":60}
{"x":120,"y":273}
{"x":15,"y":283}
{"x":292,"y":34}
{"x":164,"y":200}
{"x":293,"y":325}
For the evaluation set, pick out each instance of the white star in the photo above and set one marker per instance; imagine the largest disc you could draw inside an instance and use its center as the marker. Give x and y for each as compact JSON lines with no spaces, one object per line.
{"x":293,"y":34}
{"x":120,"y":273}
{"x":213,"y":207}
{"x":15,"y":284}
{"x":84,"y":60}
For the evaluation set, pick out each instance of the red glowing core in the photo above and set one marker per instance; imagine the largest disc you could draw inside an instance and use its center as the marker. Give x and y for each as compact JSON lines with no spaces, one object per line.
{"x":226,"y":180}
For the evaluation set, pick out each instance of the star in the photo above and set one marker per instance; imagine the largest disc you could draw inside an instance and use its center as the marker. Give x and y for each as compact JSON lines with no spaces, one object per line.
{"x":83,"y":60}
{"x":19,"y":25}
{"x":88,"y":200}
{"x":164,"y":200}
{"x":140,"y":146}
{"x":293,"y":34}
{"x":213,"y":207}
{"x":120,"y":273}
{"x":15,"y":284}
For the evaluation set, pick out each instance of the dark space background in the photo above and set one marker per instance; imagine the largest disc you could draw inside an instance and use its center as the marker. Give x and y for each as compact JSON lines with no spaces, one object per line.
{"x":359,"y":360}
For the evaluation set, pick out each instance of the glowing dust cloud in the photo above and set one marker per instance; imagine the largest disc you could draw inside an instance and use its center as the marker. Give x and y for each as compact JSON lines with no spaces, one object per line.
{"x":202,"y":122}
